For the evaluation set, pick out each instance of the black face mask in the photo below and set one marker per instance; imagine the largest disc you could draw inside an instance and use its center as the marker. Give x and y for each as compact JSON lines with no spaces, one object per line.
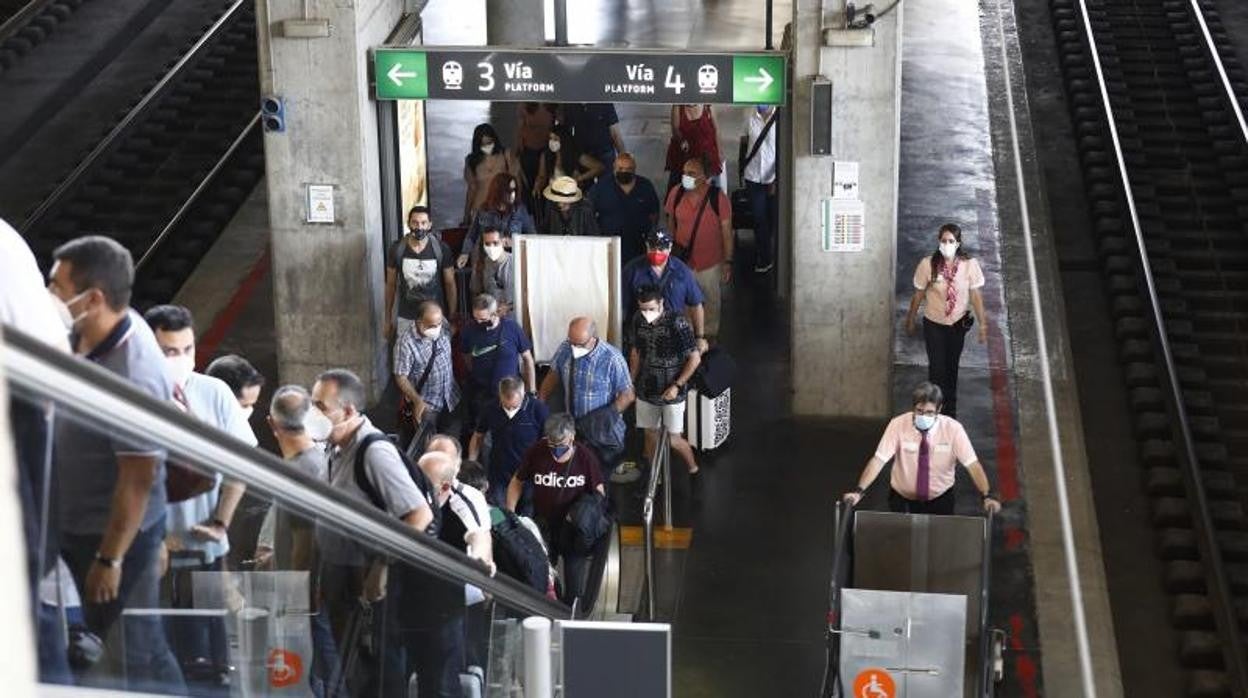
{"x":484,"y":324}
{"x":625,"y":177}
{"x":420,"y":233}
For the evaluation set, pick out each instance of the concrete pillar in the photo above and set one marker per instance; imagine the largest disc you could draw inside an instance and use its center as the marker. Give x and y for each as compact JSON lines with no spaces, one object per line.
{"x":520,"y":23}
{"x":842,"y":301}
{"x":327,"y":277}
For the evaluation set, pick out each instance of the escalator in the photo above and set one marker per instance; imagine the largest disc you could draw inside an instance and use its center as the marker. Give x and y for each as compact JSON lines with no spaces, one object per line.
{"x":283,"y":616}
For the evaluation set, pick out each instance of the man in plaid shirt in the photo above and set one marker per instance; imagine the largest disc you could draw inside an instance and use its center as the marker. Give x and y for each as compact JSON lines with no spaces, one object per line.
{"x":424,"y":374}
{"x":600,"y":377}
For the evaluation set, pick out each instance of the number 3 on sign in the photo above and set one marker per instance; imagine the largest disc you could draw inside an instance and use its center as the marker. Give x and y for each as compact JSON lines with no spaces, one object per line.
{"x":673,"y":80}
{"x":487,"y":76}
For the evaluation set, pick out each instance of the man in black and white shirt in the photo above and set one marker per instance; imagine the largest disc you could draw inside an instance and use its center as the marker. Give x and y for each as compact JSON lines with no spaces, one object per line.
{"x":663,"y":357}
{"x":420,"y":268}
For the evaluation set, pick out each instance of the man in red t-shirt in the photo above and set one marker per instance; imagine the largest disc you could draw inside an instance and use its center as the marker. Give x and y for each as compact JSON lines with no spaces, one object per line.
{"x":561,"y":470}
{"x":700,"y":218}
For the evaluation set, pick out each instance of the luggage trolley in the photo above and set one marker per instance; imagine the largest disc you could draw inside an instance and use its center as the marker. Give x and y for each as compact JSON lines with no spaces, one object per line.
{"x":908,"y":607}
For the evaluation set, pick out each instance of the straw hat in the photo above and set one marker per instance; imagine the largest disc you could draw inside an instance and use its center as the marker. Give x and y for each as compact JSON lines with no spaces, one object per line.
{"x":563,"y":190}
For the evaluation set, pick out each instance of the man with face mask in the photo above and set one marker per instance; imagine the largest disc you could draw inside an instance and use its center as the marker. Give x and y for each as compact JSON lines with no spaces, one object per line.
{"x":243,"y":378}
{"x":493,"y":276}
{"x":663,"y":358}
{"x":112,"y":488}
{"x":674,"y":278}
{"x":197,"y":536}
{"x":699,"y":216}
{"x":596,"y":388}
{"x":927,"y":446}
{"x":425,"y":376}
{"x":626,"y":206}
{"x":420,"y":269}
{"x":514,"y":424}
{"x":560,"y":469}
{"x":286,"y":541}
{"x":348,"y":572}
{"x":494,"y":348}
{"x":567,"y":211}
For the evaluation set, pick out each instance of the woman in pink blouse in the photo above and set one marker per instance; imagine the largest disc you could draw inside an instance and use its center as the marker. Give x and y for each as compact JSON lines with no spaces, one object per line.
{"x":947,"y":285}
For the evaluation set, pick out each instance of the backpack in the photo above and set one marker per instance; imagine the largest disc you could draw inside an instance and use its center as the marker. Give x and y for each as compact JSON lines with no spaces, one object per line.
{"x":518,"y":554}
{"x":585,"y":524}
{"x":417,"y":475}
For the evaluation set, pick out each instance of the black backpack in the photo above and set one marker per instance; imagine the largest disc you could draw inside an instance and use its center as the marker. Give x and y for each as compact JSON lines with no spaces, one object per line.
{"x":518,"y":554}
{"x":417,"y":475}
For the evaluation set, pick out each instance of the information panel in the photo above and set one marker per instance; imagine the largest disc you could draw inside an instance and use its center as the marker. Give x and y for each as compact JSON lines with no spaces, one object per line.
{"x":580,"y":75}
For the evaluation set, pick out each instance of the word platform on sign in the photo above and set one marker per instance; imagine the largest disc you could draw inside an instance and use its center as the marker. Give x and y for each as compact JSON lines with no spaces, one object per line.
{"x":580,"y":75}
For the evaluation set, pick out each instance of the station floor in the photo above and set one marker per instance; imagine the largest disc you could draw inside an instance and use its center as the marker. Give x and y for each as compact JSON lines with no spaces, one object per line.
{"x":747,"y":597}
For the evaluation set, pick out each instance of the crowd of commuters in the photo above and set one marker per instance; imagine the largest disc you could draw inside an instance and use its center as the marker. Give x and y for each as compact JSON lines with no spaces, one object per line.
{"x":135,"y":528}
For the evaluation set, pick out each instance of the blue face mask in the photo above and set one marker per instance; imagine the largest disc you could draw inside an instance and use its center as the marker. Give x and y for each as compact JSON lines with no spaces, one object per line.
{"x":923,"y":422}
{"x":560,"y":451}
{"x":762,"y":109}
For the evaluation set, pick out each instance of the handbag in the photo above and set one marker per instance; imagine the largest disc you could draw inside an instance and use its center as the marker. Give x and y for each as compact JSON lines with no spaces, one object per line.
{"x":742,"y":211}
{"x":595,"y":428}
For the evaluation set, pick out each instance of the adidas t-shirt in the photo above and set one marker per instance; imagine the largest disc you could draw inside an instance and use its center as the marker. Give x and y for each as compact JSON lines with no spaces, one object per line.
{"x":557,"y":485}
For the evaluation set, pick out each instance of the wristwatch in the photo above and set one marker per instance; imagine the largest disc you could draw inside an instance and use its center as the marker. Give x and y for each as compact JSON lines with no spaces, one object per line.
{"x":110,"y":562}
{"x":859,"y":490}
{"x":220,"y":524}
{"x":990,"y":495}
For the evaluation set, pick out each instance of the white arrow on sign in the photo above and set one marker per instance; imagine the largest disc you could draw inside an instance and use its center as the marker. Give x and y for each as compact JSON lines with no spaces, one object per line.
{"x":764,"y":79}
{"x":397,"y":74}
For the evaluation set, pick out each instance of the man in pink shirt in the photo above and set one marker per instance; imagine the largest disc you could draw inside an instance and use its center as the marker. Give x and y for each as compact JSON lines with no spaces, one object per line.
{"x":925,"y":447}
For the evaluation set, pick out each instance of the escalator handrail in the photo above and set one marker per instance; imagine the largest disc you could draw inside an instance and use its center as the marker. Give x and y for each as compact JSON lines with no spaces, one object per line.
{"x":1199,"y":15}
{"x":21,"y":18}
{"x":117,"y":405}
{"x":203,"y":185}
{"x":985,"y":585}
{"x":1224,"y":612}
{"x":122,"y":128}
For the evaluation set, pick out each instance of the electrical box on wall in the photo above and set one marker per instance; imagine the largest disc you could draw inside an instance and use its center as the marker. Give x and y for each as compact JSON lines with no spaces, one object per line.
{"x":820,"y":116}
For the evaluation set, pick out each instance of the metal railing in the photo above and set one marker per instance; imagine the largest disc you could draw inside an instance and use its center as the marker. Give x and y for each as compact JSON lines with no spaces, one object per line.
{"x":75,"y":385}
{"x":21,"y":18}
{"x":660,"y":471}
{"x":1224,"y":613}
{"x":203,"y":186}
{"x":122,"y":128}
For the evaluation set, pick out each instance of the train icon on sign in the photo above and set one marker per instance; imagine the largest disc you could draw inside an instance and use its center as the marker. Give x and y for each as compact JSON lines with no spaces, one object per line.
{"x":708,"y":79}
{"x":452,"y":75}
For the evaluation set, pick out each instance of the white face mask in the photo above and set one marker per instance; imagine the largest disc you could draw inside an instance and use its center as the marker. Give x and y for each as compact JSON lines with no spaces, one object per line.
{"x":578,"y":352}
{"x":688,"y":182}
{"x":487,"y":148}
{"x":181,"y":367}
{"x":432,"y":332}
{"x":511,"y":411}
{"x":64,"y":313}
{"x":248,"y":411}
{"x":316,"y":425}
{"x":494,"y":252}
{"x":554,"y":145}
{"x":650,"y":315}
{"x":948,"y":249}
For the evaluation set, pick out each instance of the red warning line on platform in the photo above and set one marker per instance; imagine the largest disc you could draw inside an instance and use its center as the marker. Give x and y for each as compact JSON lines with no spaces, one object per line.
{"x":224,"y":321}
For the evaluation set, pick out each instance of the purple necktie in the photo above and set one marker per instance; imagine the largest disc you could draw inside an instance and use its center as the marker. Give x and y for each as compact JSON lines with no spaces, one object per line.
{"x":925,"y":467}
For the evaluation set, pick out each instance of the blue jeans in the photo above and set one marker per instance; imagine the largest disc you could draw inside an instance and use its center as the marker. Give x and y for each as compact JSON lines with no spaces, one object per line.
{"x":136,"y":655}
{"x":763,"y":207}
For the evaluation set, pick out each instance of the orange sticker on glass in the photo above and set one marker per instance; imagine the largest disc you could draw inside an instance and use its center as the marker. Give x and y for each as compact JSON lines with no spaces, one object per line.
{"x":874,"y":683}
{"x":285,"y":668}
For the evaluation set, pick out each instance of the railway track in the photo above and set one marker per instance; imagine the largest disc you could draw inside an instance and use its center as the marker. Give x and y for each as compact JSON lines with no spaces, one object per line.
{"x":1180,"y":306}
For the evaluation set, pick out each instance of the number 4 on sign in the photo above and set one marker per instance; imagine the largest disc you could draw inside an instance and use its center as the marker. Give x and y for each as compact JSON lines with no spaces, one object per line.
{"x":673,"y":80}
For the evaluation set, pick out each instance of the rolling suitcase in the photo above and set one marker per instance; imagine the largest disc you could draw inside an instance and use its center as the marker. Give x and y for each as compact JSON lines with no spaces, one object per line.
{"x":708,"y":419}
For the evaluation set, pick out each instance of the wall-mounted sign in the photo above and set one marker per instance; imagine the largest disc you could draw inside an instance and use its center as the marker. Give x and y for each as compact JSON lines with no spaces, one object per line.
{"x":320,"y":203}
{"x":844,"y":228}
{"x":580,"y":75}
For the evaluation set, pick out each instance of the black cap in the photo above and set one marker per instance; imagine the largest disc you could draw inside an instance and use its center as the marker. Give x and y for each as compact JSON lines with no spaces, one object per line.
{"x":659,"y":238}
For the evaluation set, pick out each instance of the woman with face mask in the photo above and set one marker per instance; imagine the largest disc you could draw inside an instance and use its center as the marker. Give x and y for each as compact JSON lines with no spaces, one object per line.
{"x":694,"y":134}
{"x":948,"y":285}
{"x":487,"y":158}
{"x":562,"y":158}
{"x":503,"y":210}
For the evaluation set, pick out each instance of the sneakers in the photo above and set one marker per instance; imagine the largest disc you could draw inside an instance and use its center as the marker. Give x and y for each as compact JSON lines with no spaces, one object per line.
{"x":625,"y":472}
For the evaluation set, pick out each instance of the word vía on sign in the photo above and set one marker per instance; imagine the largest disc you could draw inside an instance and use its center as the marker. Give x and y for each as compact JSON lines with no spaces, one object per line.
{"x":519,"y":77}
{"x":641,"y":81}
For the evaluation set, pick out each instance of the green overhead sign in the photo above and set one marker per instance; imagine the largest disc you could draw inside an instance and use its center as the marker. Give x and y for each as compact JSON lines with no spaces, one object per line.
{"x":580,"y":75}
